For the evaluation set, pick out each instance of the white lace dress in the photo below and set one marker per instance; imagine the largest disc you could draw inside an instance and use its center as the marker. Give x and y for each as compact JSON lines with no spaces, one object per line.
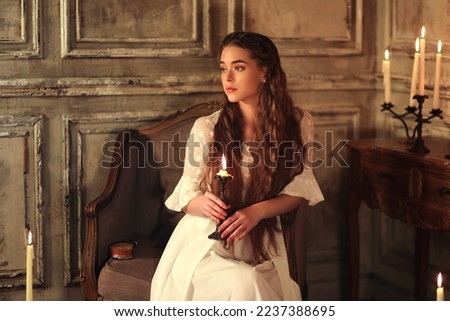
{"x":194,"y":267}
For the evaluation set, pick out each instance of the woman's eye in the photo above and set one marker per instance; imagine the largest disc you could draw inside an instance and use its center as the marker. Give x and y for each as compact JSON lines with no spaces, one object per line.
{"x":238,"y":68}
{"x":223,"y":69}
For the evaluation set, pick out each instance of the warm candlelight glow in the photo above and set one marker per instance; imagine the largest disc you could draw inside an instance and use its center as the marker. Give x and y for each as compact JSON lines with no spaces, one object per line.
{"x":224,"y":162}
{"x":417,"y":45}
{"x":440,"y":288}
{"x":223,"y":172}
{"x":386,"y":54}
{"x":422,"y":32}
{"x":439,"y":46}
{"x":30,"y":238}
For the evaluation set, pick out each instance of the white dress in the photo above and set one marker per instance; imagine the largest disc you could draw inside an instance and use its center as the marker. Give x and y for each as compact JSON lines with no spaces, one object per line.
{"x":194,"y":267}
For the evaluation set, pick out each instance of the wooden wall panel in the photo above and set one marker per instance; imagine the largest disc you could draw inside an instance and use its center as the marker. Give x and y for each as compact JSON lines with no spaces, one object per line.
{"x":20,"y":29}
{"x":333,"y":127}
{"x":109,"y":28}
{"x":408,"y":17}
{"x":21,"y":198}
{"x":296,"y":29}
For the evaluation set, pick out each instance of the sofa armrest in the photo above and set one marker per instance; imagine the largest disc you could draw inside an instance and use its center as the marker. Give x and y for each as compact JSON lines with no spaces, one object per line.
{"x":124,"y":208}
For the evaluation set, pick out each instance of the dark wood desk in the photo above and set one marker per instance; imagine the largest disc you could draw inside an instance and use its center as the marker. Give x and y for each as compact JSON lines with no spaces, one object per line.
{"x":414,"y":188}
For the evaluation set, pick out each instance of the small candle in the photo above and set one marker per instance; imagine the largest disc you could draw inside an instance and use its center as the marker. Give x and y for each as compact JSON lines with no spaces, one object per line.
{"x":437,"y":76}
{"x":414,"y":74}
{"x":422,"y":62}
{"x":440,"y":289}
{"x":29,"y":272}
{"x":387,"y":77}
{"x":223,"y":172}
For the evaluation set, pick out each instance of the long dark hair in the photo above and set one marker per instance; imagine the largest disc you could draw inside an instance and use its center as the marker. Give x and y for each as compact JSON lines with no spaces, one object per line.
{"x":277,"y":147}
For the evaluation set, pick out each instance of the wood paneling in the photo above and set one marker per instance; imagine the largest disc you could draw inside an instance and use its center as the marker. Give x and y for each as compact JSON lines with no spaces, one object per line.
{"x":20,"y":29}
{"x":109,"y":28}
{"x":296,"y":29}
{"x":21,"y":198}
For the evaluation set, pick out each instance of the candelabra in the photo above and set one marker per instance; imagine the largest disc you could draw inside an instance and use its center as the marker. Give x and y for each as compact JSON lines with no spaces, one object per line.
{"x":223,"y":179}
{"x":418,"y":145}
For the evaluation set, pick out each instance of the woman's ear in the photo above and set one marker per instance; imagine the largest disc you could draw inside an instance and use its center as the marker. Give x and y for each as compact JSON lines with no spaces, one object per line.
{"x":264,"y":73}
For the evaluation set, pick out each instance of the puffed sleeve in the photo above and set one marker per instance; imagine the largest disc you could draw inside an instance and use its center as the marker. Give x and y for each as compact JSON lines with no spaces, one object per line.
{"x":305,"y":184}
{"x":188,"y":186}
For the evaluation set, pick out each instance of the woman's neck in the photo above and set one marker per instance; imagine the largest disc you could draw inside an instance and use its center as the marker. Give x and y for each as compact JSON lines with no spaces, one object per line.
{"x":249,"y":115}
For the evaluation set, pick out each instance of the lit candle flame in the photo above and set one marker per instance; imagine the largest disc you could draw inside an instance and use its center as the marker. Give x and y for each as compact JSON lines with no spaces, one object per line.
{"x":439,"y":46}
{"x":30,"y":238}
{"x":439,"y":280}
{"x":417,"y":45}
{"x":224,"y":163}
{"x":422,"y":32}
{"x":386,"y":54}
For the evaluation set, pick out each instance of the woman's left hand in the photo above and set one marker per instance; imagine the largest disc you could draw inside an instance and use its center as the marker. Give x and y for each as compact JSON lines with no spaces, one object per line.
{"x":239,"y":224}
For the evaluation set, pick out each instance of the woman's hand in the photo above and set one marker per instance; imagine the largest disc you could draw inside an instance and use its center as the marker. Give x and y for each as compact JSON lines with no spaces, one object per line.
{"x":208,"y":205}
{"x":239,"y":224}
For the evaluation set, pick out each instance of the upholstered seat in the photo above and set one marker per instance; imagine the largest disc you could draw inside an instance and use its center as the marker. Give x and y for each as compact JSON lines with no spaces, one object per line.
{"x":130,"y":279}
{"x":131,"y":208}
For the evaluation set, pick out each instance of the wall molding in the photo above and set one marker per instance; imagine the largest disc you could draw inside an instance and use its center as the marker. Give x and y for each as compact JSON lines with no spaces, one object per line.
{"x":399,"y":40}
{"x":348,"y":45}
{"x":169,"y":85}
{"x":30,"y":130}
{"x":75,"y":44}
{"x":26,"y":43}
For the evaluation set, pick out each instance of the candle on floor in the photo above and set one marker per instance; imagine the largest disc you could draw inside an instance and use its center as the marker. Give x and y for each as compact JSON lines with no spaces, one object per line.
{"x":29,"y":271}
{"x":440,"y":289}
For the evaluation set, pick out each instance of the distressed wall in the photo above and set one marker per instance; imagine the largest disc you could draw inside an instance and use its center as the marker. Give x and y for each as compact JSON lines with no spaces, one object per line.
{"x":76,"y":72}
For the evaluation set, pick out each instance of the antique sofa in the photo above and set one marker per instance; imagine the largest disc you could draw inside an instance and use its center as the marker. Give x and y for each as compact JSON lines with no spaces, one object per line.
{"x":131,"y":209}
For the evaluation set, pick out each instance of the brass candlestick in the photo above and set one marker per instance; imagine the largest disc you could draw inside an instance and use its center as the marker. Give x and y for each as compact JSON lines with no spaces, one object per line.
{"x":223,"y":179}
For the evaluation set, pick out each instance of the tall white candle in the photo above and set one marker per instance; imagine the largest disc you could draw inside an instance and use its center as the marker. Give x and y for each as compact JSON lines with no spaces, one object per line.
{"x":422,"y":62}
{"x":414,"y":74}
{"x":387,"y":77}
{"x":440,"y":289}
{"x":29,"y":272}
{"x":437,"y":75}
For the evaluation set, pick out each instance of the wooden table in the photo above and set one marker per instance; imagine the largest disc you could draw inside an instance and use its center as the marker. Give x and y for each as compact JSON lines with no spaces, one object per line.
{"x":414,"y":188}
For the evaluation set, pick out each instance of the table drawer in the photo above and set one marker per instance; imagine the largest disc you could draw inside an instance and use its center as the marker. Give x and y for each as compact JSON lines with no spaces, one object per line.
{"x":436,"y":189}
{"x":383,"y":177}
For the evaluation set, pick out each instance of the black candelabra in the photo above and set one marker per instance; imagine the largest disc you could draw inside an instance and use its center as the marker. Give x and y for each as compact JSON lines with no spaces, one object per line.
{"x":418,"y":145}
{"x":223,"y":179}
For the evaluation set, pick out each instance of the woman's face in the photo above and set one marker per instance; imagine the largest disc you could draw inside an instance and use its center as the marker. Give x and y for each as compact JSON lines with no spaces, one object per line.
{"x":241,"y":75}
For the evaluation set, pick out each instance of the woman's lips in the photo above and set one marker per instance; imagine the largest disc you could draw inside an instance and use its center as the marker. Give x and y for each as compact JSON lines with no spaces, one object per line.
{"x":231,"y":90}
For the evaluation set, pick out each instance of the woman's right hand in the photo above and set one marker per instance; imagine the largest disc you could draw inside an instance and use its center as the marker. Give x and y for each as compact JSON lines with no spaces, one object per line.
{"x":208,"y":205}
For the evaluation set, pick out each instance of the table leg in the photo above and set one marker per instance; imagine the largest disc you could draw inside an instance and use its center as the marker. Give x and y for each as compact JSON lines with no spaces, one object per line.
{"x":352,"y":244}
{"x":422,"y":242}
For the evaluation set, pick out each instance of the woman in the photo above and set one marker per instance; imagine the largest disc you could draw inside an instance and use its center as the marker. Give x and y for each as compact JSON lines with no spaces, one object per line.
{"x":262,"y":135}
